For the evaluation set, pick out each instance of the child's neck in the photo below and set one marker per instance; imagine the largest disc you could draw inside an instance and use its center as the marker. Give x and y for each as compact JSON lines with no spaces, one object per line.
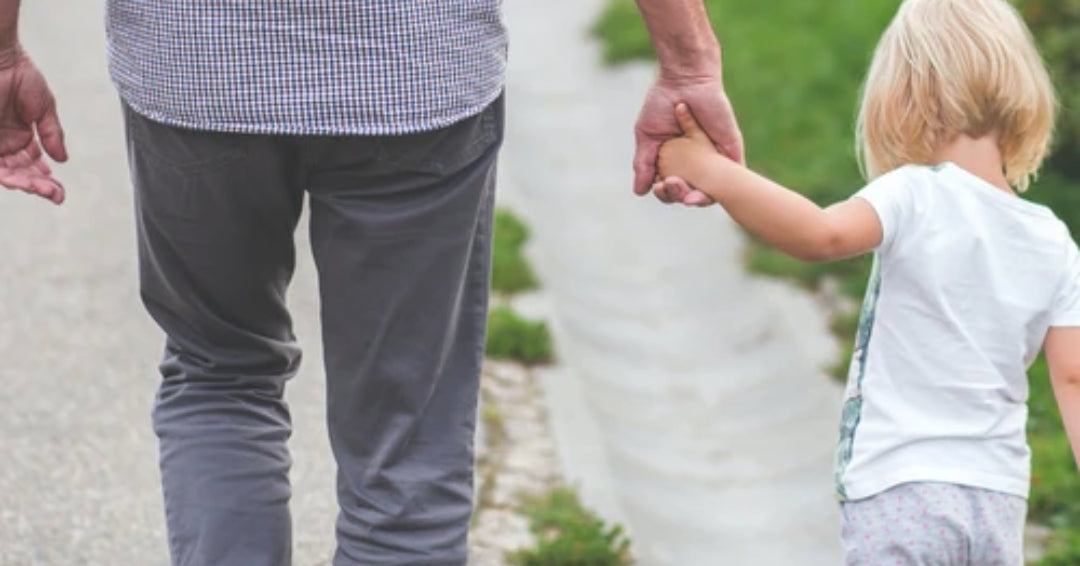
{"x":980,"y":157}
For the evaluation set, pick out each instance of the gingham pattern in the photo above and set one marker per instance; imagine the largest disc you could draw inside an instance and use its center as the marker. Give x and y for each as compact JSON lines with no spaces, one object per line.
{"x":331,"y":67}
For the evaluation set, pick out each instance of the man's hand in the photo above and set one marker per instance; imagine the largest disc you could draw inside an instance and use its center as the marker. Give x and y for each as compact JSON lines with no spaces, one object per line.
{"x":687,"y":156}
{"x":28,"y":123}
{"x":657,"y":123}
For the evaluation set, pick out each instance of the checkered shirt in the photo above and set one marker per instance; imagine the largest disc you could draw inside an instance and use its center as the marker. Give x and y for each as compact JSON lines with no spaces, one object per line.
{"x":309,"y":67}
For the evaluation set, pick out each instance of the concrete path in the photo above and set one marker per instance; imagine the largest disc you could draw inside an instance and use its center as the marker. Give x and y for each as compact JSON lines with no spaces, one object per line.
{"x":690,"y":403}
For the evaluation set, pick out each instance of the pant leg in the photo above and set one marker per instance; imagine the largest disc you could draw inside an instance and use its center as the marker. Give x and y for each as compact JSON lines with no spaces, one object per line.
{"x":216,"y":215}
{"x":934,"y":524}
{"x":400,"y":229}
{"x":997,"y":521}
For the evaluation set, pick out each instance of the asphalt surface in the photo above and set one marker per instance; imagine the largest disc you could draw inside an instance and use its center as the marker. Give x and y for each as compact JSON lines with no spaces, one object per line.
{"x":78,"y":479}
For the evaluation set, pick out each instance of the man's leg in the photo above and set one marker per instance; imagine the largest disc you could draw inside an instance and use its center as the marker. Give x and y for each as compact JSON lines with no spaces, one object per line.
{"x":401,"y":235}
{"x":216,"y":215}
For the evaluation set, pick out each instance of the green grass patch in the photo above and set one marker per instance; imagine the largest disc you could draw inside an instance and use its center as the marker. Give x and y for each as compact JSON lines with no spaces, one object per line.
{"x":623,"y":33}
{"x":1055,"y":483}
{"x":510,"y":272}
{"x":511,"y":337}
{"x":568,"y":534}
{"x":1064,"y":549}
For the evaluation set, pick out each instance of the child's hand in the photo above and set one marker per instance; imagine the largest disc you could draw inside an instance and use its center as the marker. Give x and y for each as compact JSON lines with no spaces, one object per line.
{"x":678,"y":190}
{"x":686,"y":157}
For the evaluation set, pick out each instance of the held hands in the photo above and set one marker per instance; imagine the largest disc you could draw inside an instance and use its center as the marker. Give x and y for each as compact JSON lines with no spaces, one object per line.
{"x":683,"y":161}
{"x":656,"y":123}
{"x":28,"y":123}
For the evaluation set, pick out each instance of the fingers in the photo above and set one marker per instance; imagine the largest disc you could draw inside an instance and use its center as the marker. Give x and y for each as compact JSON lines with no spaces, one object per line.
{"x":645,"y":164}
{"x":686,"y":120}
{"x":52,"y":134}
{"x":45,"y":187}
{"x":660,"y":192}
{"x":681,"y":191}
{"x":733,"y":147}
{"x":34,"y":151}
{"x":718,"y":121}
{"x":25,"y":171}
{"x":676,"y":190}
{"x":698,"y":199}
{"x":37,"y":186}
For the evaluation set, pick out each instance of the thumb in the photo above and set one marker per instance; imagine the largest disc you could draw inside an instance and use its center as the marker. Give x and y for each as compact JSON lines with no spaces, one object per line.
{"x":686,"y":120}
{"x":52,"y":134}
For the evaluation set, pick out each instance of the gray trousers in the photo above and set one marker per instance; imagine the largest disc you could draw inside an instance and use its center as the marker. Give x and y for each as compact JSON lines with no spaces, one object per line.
{"x":400,"y":231}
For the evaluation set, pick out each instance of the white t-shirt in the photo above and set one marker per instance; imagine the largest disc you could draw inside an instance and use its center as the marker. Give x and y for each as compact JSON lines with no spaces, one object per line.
{"x":966,"y":283}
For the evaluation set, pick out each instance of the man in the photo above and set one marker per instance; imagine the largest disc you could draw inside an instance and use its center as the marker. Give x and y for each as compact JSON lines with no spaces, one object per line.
{"x":388,"y":116}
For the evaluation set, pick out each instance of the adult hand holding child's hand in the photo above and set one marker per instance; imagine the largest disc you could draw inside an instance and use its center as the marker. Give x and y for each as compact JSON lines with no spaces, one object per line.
{"x":656,"y":124}
{"x":682,"y":161}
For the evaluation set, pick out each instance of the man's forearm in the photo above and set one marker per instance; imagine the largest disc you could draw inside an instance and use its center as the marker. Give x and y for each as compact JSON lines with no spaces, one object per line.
{"x":682,"y":36}
{"x":9,"y":26}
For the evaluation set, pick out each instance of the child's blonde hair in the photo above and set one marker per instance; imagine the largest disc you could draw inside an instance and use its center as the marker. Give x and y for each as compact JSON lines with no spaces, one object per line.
{"x":946,"y":68}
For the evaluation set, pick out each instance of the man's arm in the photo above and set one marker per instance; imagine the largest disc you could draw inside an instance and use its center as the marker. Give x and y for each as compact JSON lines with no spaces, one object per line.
{"x":689,"y":55}
{"x":683,"y":38}
{"x":9,"y":31}
{"x":1062,"y":349}
{"x":28,"y":119}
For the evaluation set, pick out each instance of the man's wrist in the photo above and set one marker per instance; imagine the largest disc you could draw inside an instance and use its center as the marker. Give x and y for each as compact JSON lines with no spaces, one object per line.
{"x":11,"y":55}
{"x":693,"y":66}
{"x":682,"y":79}
{"x":10,"y":49}
{"x":682,"y":37}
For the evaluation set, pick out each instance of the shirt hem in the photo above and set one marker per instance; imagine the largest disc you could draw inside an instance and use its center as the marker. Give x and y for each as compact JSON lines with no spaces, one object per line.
{"x":994,"y":482}
{"x":301,"y":129}
{"x":1066,"y":321}
{"x":886,"y":224}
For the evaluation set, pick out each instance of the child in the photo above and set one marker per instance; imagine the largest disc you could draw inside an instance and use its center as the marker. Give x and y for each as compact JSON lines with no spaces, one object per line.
{"x":969,"y":280}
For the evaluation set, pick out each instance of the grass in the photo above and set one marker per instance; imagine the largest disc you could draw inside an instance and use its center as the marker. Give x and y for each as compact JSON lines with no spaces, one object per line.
{"x":568,"y":534}
{"x":510,"y":271}
{"x":793,"y":70}
{"x":511,"y":337}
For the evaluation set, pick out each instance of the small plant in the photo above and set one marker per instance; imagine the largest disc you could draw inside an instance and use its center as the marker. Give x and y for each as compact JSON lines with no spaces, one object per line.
{"x":1064,"y":550}
{"x":510,"y":272}
{"x":511,"y":337}
{"x":569,"y":535}
{"x":491,"y":415}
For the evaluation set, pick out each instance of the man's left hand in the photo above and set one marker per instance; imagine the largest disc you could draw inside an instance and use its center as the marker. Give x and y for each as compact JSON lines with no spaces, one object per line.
{"x":706,"y":98}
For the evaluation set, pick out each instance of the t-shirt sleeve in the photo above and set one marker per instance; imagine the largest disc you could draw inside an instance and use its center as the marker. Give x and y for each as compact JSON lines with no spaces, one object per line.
{"x":1067,"y":303}
{"x":891,"y":197}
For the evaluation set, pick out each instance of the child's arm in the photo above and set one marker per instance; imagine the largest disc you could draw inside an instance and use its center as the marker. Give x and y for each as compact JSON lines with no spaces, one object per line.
{"x":1062,"y":348}
{"x":781,"y":217}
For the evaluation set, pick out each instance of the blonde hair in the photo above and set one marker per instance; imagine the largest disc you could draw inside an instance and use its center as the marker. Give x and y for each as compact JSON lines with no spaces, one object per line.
{"x":946,"y":68}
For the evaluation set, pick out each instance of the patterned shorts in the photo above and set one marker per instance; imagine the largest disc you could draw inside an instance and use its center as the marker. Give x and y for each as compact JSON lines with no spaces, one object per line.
{"x":935,"y":524}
